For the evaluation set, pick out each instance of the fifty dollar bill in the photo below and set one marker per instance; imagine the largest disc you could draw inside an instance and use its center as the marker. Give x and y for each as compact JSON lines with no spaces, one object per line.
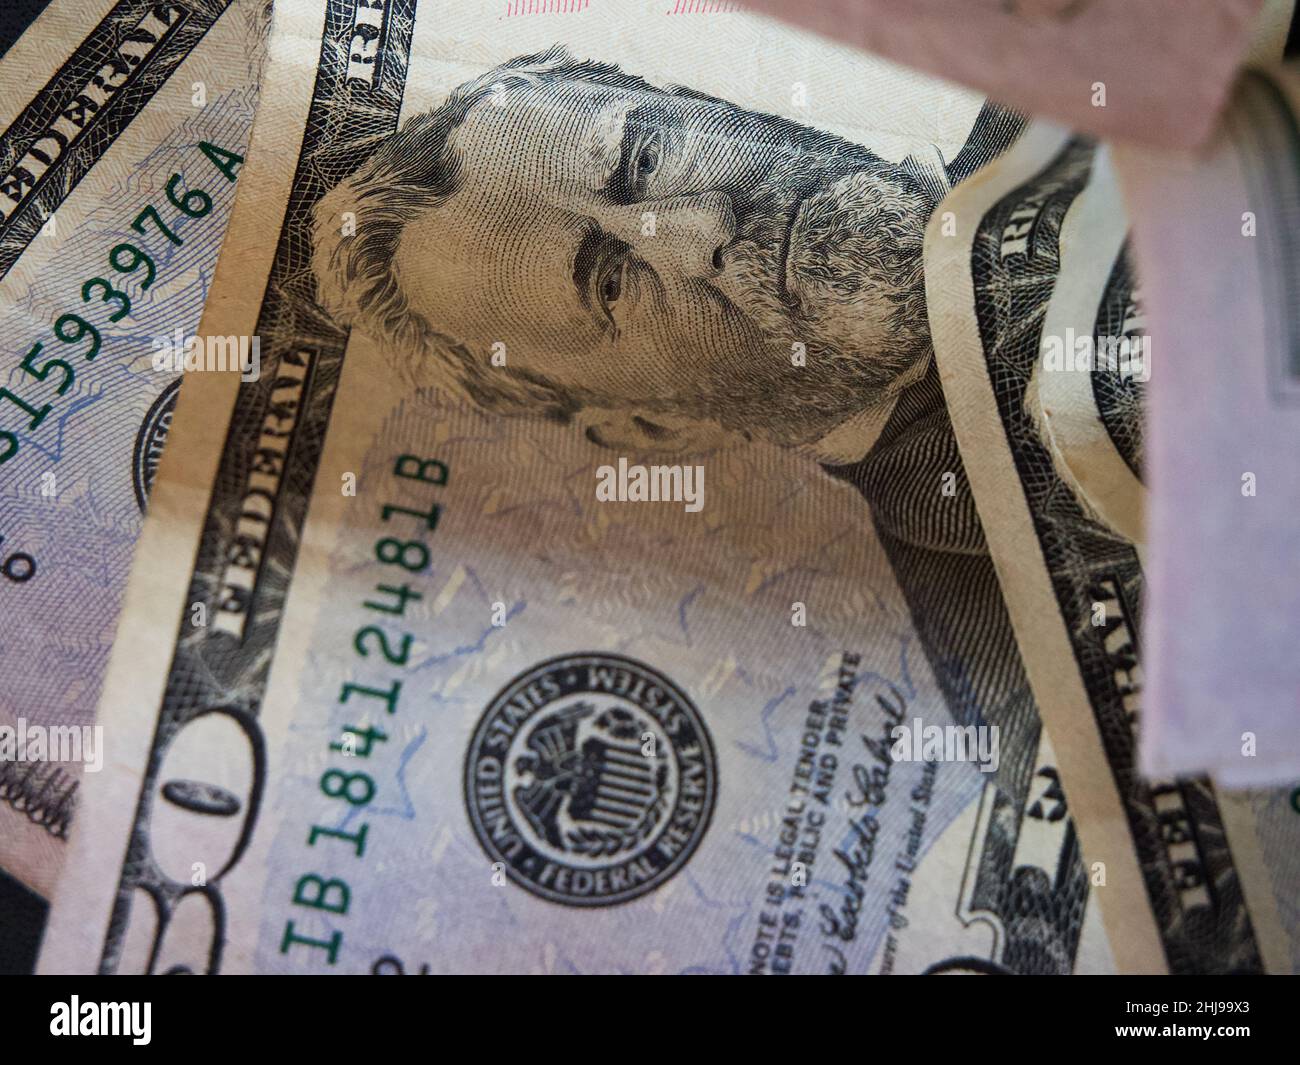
{"x":412,"y":676}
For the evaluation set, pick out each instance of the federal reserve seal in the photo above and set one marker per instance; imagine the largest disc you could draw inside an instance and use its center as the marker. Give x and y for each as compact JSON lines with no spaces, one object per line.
{"x":591,"y":778}
{"x":149,"y":443}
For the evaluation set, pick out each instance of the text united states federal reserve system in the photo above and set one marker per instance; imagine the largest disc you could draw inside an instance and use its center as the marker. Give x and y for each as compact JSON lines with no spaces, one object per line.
{"x":661,"y":531}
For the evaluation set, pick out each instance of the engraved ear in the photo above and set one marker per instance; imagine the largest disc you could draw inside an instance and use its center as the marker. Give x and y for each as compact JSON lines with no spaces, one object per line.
{"x":652,"y":433}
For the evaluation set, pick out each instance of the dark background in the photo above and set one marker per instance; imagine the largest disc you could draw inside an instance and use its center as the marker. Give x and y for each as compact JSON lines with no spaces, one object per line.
{"x":15,"y":15}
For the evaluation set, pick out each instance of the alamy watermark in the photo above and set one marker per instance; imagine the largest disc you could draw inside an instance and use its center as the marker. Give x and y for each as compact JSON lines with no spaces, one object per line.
{"x":76,"y":1018}
{"x":919,"y":742}
{"x":651,"y":484}
{"x":53,"y":743}
{"x":216,"y":354}
{"x":1129,"y":356}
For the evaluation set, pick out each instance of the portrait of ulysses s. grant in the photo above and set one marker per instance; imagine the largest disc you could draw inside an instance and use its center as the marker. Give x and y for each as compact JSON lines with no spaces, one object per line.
{"x":668,"y":272}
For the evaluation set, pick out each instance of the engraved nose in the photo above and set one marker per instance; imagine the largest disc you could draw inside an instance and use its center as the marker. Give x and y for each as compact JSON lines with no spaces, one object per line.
{"x":687,"y":235}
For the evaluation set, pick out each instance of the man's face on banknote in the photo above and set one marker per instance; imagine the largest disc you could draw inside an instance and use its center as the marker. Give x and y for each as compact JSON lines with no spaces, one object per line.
{"x":619,"y":246}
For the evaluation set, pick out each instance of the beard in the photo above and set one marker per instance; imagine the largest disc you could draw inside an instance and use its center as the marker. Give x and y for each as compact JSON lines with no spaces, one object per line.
{"x":827,"y":254}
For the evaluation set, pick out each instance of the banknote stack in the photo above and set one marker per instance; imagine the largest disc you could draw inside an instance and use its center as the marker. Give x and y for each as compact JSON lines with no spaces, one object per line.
{"x":650,"y":487}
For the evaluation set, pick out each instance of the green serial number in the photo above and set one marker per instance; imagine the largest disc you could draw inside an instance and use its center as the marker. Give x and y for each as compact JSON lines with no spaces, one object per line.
{"x":125,"y":258}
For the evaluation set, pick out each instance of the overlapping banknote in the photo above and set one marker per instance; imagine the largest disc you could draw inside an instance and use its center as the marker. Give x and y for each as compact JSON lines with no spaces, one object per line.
{"x":1226,"y":682}
{"x":111,"y":218}
{"x":616,"y":560}
{"x":1155,"y":72}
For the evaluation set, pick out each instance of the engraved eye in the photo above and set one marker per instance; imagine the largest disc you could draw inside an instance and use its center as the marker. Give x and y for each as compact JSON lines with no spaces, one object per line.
{"x":649,"y":154}
{"x":647,"y":160}
{"x":611,"y":284}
